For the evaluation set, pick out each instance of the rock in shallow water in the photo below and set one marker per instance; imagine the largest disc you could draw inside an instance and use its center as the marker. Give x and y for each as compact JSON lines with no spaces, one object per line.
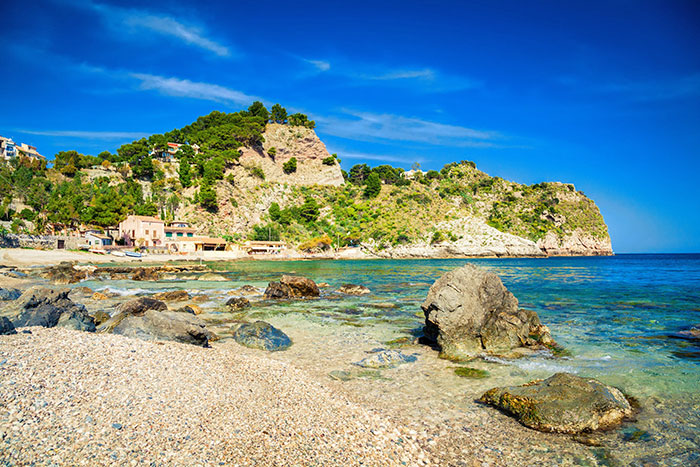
{"x":262,"y":335}
{"x":385,"y":359}
{"x":141,"y":305}
{"x":237,"y":303}
{"x":172,"y":296}
{"x":352,"y":289}
{"x":562,"y":403}
{"x":292,"y":287}
{"x":469,"y":312}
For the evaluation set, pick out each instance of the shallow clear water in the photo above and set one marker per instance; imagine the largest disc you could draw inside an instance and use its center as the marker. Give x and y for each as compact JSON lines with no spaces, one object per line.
{"x":618,"y":316}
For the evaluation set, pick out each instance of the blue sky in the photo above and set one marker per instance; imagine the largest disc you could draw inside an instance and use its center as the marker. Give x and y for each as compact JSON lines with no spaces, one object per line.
{"x":603,"y":95}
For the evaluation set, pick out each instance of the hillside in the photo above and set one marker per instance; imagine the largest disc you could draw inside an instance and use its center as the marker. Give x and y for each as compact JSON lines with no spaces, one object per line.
{"x":258,"y":175}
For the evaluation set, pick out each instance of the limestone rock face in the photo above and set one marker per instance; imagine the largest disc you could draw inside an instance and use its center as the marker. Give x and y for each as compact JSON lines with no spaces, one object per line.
{"x":292,"y":287}
{"x":576,"y":244}
{"x":301,"y":143}
{"x":563,"y":403}
{"x":155,"y":325}
{"x":39,"y":306}
{"x":469,"y":312}
{"x":262,"y":335}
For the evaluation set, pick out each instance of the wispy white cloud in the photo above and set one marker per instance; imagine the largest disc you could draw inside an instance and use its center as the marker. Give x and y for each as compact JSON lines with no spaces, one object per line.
{"x":196,"y":90}
{"x":421,"y":79}
{"x":105,"y":135}
{"x":367,"y":126}
{"x":137,"y":21}
{"x":320,"y":65}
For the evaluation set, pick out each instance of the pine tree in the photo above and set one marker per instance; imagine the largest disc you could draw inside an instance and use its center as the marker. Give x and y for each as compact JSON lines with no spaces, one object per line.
{"x":374,"y":185}
{"x":185,"y":173}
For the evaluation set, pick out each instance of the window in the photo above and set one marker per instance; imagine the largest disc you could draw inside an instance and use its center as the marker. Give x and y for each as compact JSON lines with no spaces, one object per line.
{"x":146,"y":232}
{"x":179,"y":234}
{"x":189,"y":234}
{"x":169,"y":234}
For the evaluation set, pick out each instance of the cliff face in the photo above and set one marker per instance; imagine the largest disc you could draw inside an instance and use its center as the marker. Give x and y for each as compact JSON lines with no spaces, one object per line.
{"x":298,"y":142}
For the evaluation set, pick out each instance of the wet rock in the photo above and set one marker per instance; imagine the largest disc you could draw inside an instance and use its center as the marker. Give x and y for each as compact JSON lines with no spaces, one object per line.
{"x":352,"y":289}
{"x":292,"y":287}
{"x":246,"y":290}
{"x":385,"y":359}
{"x":64,"y":273}
{"x":238,"y":303}
{"x":6,"y":326}
{"x":39,"y":306}
{"x":469,"y":312}
{"x":99,"y":296}
{"x":155,"y":325}
{"x":323,"y":285}
{"x":262,"y":335}
{"x":7,"y":294}
{"x":146,"y":274}
{"x":100,"y":317}
{"x":172,"y":296}
{"x":471,"y":373}
{"x":186,"y":309}
{"x":563,"y":403}
{"x":210,"y":276}
{"x":141,"y":305}
{"x":692,"y":333}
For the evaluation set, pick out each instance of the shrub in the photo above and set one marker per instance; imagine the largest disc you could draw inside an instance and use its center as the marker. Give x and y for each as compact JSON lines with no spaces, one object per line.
{"x":290,"y":166}
{"x":257,"y":172}
{"x":272,"y":152}
{"x":438,"y":237}
{"x":317,"y":244}
{"x":330,"y":160}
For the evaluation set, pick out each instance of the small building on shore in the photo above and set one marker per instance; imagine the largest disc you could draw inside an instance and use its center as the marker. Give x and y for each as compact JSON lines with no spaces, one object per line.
{"x":265,"y":247}
{"x":142,"y":231}
{"x":195,"y":244}
{"x":97,"y":240}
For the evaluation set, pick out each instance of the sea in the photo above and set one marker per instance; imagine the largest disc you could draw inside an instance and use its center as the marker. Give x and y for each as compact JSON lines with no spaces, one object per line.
{"x":620,"y":318}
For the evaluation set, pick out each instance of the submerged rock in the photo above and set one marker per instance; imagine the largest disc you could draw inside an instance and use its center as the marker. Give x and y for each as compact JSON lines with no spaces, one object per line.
{"x":6,"y":326}
{"x":210,"y":276}
{"x":262,"y":335}
{"x":39,"y":306}
{"x":172,"y":295}
{"x":186,"y":309}
{"x":292,"y":287}
{"x":155,"y":325}
{"x":469,"y":312}
{"x":246,"y":290}
{"x":352,"y":289}
{"x":7,"y":294}
{"x":562,"y":403}
{"x":692,"y":333}
{"x":99,"y":296}
{"x":238,"y":303}
{"x":385,"y":359}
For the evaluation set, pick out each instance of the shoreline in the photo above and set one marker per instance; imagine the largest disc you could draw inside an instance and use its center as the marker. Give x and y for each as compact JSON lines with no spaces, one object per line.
{"x":27,"y":257}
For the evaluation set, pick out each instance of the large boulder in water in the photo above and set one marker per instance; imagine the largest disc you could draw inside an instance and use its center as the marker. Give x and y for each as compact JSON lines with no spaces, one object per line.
{"x":469,"y":312}
{"x":262,"y":335}
{"x":141,"y":305}
{"x":292,"y":287}
{"x":563,"y":403}
{"x":237,"y":303}
{"x":155,"y":325}
{"x":39,"y":306}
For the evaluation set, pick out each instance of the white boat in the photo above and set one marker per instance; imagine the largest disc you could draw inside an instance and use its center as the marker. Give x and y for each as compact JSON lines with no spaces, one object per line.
{"x":117,"y":253}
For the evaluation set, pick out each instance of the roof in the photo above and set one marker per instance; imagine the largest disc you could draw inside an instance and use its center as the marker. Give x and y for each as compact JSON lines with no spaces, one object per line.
{"x":218,"y":241}
{"x":263,"y":243}
{"x":146,"y":219}
{"x":100,"y":236}
{"x":179,"y":229}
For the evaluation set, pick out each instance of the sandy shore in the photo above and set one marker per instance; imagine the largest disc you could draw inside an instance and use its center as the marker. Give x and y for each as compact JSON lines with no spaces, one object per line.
{"x":75,"y":398}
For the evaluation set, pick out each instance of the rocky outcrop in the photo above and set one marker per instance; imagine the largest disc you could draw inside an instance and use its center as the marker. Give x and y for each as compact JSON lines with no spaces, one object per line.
{"x":6,"y":326}
{"x":292,"y":287}
{"x":262,"y":335}
{"x":237,"y":303}
{"x":141,"y":305}
{"x":468,"y":312}
{"x":39,"y":306}
{"x":172,"y":296}
{"x":155,"y":325}
{"x":352,"y":289}
{"x":563,"y":403}
{"x":64,"y":273}
{"x":578,"y":243}
{"x":7,"y":294}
